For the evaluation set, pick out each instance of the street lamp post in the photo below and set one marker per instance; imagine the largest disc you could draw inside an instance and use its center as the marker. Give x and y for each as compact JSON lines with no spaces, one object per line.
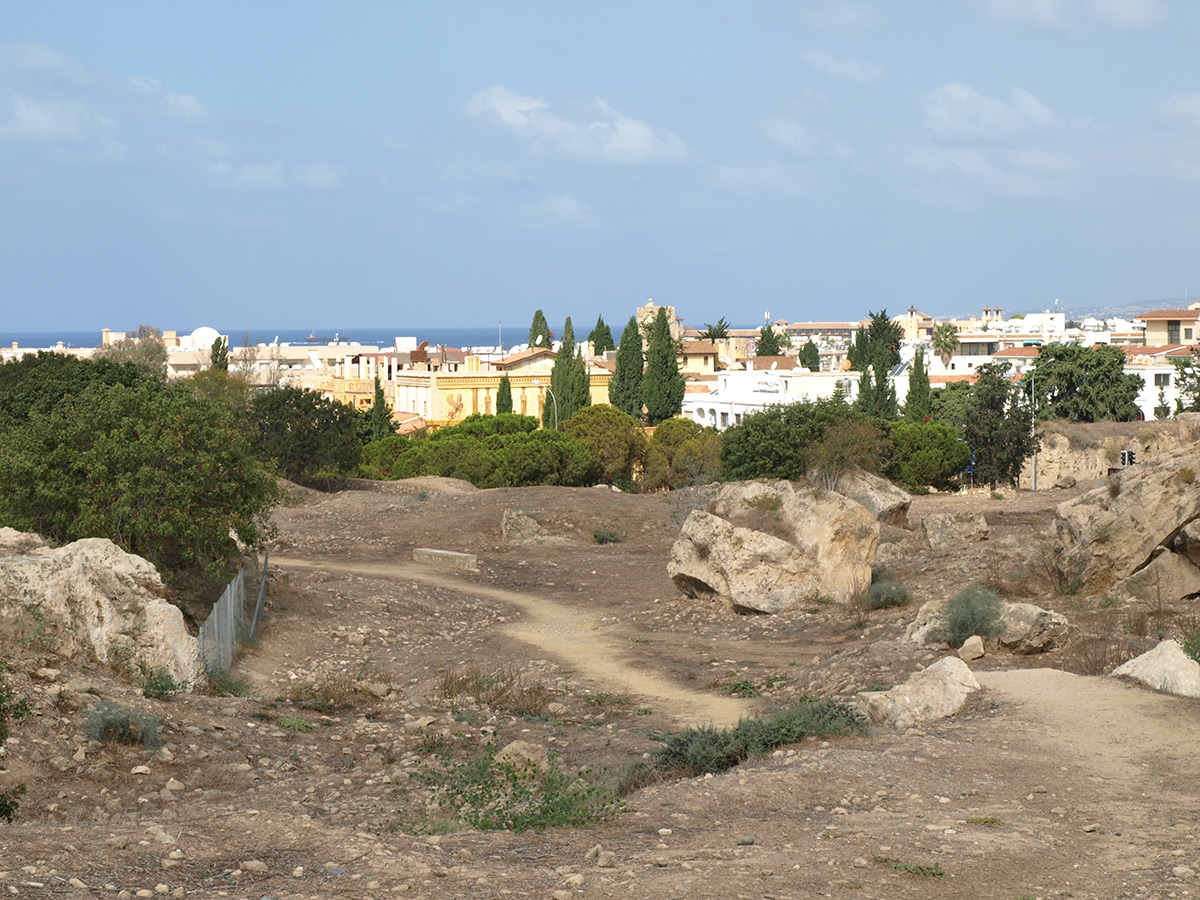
{"x":552,"y":400}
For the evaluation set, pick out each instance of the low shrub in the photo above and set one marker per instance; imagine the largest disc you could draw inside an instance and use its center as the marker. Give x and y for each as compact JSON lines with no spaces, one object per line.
{"x":517,"y":795}
{"x":608,"y":537}
{"x":503,"y":689}
{"x":1191,"y":645}
{"x":885,"y":595}
{"x":161,"y":685}
{"x":975,"y":610}
{"x":108,"y":722}
{"x":703,"y":750}
{"x":223,"y":684}
{"x":294,"y":725}
{"x":12,"y":709}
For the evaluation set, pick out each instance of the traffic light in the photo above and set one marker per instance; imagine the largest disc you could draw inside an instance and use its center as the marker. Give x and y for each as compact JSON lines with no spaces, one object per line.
{"x":1128,"y":457}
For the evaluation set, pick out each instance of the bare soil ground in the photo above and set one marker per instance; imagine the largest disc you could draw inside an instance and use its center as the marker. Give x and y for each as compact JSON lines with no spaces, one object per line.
{"x":1052,"y":784}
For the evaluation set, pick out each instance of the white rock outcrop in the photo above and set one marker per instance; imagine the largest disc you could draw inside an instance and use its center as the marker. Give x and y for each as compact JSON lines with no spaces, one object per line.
{"x":93,"y":598}
{"x":931,"y":694}
{"x":1030,"y":629}
{"x":1166,"y":668}
{"x":947,"y":529}
{"x":878,"y":496}
{"x":767,"y":547}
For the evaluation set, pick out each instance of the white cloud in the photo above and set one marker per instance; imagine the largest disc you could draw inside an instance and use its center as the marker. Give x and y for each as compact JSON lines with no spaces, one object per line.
{"x":958,"y":175}
{"x":795,"y":137}
{"x":183,"y":104}
{"x":842,"y":68}
{"x":56,"y":122}
{"x":1064,"y":14}
{"x":275,"y":176}
{"x":843,"y":16}
{"x":1179,"y":106}
{"x":606,"y":136}
{"x":757,"y":178}
{"x":957,"y":112}
{"x":564,"y":207}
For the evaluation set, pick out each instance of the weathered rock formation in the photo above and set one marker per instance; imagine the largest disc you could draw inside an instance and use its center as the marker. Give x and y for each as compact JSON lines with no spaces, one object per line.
{"x":1168,"y":577}
{"x":946,"y":529}
{"x":1166,"y":668}
{"x":518,"y":528}
{"x":931,"y":694}
{"x":1113,"y":531}
{"x":1026,"y":628}
{"x":93,"y":598}
{"x":882,"y":499}
{"x":766,"y":547}
{"x":1081,"y":453}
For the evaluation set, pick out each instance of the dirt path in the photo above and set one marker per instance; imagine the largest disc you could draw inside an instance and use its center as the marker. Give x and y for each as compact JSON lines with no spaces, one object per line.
{"x":576,"y":638}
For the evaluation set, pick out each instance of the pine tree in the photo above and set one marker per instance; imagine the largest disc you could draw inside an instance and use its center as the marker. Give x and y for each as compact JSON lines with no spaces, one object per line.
{"x":539,"y":331}
{"x":810,"y":357}
{"x":601,"y":338}
{"x":768,"y":343}
{"x":663,"y":387}
{"x":220,"y":354}
{"x":918,"y":404}
{"x":997,"y":426}
{"x":625,"y":388}
{"x":504,"y":401}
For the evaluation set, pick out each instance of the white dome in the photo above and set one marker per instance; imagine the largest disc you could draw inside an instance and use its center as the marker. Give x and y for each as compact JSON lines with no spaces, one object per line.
{"x":205,"y":334}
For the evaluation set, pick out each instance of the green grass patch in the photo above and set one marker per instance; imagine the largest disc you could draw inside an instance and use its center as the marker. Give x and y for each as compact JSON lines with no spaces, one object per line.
{"x":934,"y":871}
{"x":108,"y":722}
{"x":161,"y":685}
{"x":602,"y":536}
{"x":295,"y":725}
{"x":223,"y":684}
{"x":699,"y":751}
{"x":885,"y":595}
{"x":989,"y":821}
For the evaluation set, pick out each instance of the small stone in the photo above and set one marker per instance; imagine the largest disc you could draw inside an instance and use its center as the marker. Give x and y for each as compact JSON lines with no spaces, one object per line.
{"x":606,"y":859}
{"x":162,"y":889}
{"x":1182,"y":872}
{"x":972,"y":648}
{"x":254,"y":865}
{"x":575,"y":881}
{"x":47,"y":674}
{"x":1090,"y":828}
{"x":593,"y":853}
{"x":80,"y":755}
{"x":561,"y":895}
{"x":140,"y":770}
{"x":76,"y":883}
{"x":746,"y":840}
{"x":356,"y":640}
{"x":298,"y":872}
{"x":164,"y":755}
{"x":173,"y":785}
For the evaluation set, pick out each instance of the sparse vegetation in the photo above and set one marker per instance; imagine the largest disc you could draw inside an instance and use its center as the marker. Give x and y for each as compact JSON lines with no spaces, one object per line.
{"x":975,"y":610}
{"x":294,"y":725}
{"x":161,"y":685}
{"x":12,"y":709}
{"x":885,"y":595}
{"x":603,"y":536}
{"x":108,"y":722}
{"x":504,"y":690}
{"x":223,"y":684}
{"x":934,"y":871}
{"x":705,"y":749}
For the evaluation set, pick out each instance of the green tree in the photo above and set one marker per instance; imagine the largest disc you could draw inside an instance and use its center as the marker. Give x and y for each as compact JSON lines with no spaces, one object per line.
{"x":160,"y":471}
{"x":1083,"y":384}
{"x":768,"y":342}
{"x":949,"y":404}
{"x":601,"y":338}
{"x":663,"y":386}
{"x":945,"y":342}
{"x":379,"y":416}
{"x":144,"y":348}
{"x":617,"y":440}
{"x":918,"y":404}
{"x":539,"y":331}
{"x":810,"y":356}
{"x":304,"y":435}
{"x":997,"y":426}
{"x":717,"y":332}
{"x":682,"y":453}
{"x":34,"y":384}
{"x":875,"y":352}
{"x":926,"y":454}
{"x":876,"y":393}
{"x":504,"y":398}
{"x":625,"y":387}
{"x":219,"y":355}
{"x":776,"y":442}
{"x":1187,"y":380}
{"x":568,"y":381}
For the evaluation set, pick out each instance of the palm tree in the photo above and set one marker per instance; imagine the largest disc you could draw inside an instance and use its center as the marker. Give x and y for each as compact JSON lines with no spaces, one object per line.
{"x":945,"y":341}
{"x":717,"y":332}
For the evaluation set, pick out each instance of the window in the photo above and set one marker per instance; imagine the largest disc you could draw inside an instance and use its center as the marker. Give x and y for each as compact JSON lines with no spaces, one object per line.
{"x":1172,"y":331}
{"x":1187,"y":334}
{"x":1162,"y":379}
{"x":724,"y":420}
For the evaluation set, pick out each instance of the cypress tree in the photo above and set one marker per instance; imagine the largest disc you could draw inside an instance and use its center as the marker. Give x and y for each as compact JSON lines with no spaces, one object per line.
{"x":381,"y":415}
{"x":918,"y":404}
{"x":504,"y":403}
{"x":539,"y":331}
{"x":810,"y":356}
{"x":568,"y":380}
{"x":662,"y":389}
{"x":601,"y":338}
{"x":220,"y":354}
{"x":625,"y":388}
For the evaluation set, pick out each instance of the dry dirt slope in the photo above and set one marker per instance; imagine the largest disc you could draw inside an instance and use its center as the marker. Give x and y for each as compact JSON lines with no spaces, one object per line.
{"x":1050,"y":785}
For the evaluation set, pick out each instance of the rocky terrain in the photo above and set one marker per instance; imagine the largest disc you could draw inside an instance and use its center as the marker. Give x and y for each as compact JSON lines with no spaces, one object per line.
{"x":1052,"y":780}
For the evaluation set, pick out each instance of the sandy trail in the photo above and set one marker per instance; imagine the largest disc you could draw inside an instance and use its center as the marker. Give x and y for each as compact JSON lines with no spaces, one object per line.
{"x":578,"y":640}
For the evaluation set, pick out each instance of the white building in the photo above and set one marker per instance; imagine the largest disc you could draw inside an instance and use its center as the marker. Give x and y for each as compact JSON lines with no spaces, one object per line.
{"x":739,"y":392}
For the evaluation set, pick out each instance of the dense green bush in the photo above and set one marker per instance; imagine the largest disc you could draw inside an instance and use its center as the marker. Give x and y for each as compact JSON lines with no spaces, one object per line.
{"x":776,"y":442}
{"x":975,"y":610}
{"x":885,"y":595}
{"x":304,"y":435}
{"x":927,"y":454}
{"x":162,"y":472}
{"x":682,"y":453}
{"x":108,"y":722}
{"x":488,"y":451}
{"x":34,"y":384}
{"x":616,"y":439}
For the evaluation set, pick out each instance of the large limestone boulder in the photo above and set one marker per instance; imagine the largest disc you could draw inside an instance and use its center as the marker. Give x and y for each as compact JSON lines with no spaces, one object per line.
{"x":517,"y":527}
{"x":93,"y":598}
{"x":947,"y":529}
{"x":1167,"y":578}
{"x":934,"y":693}
{"x":1187,"y":542}
{"x":767,"y":547}
{"x":14,"y":543}
{"x":878,"y":496}
{"x":1031,"y":629}
{"x":1113,"y":531}
{"x":1166,"y":668}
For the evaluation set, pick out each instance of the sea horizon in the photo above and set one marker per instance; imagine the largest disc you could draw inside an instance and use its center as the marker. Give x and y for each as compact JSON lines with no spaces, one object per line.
{"x":452,"y":336}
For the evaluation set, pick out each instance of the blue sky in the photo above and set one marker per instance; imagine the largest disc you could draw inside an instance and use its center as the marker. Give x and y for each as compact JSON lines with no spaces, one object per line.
{"x":341,"y":165}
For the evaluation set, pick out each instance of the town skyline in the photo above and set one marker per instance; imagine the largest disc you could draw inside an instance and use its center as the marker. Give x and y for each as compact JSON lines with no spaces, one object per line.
{"x":319,"y":164}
